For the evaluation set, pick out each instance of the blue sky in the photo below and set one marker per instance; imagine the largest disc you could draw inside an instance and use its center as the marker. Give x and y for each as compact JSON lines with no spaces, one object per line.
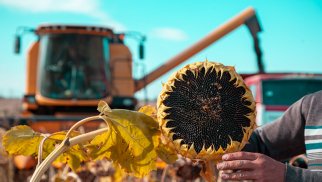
{"x":291,"y":40}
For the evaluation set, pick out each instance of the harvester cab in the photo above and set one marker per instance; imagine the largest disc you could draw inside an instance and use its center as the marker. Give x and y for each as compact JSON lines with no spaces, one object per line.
{"x":69,"y":70}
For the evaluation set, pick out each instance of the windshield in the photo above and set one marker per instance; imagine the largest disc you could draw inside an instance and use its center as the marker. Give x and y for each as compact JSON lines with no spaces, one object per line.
{"x":286,"y":92}
{"x":74,"y":66}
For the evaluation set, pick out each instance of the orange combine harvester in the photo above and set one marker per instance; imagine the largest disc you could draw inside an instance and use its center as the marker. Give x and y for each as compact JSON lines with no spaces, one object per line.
{"x":71,"y":68}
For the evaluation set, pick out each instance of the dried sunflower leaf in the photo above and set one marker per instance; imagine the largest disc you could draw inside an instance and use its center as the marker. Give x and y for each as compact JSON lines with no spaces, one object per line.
{"x":54,"y":140}
{"x":119,"y":173}
{"x":21,"y":140}
{"x":103,"y":107}
{"x":100,"y":146}
{"x":166,"y":154}
{"x":73,"y":156}
{"x":135,"y":137}
{"x":149,"y":110}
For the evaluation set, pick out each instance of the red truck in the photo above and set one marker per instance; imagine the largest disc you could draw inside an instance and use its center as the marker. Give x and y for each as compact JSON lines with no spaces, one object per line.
{"x":275,"y":92}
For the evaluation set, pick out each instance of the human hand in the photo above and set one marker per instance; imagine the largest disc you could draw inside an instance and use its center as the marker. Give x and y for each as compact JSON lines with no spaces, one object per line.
{"x":251,"y":166}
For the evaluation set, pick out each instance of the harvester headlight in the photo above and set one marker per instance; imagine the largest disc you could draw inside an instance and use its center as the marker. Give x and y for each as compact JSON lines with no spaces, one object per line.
{"x":31,"y":99}
{"x":127,"y":102}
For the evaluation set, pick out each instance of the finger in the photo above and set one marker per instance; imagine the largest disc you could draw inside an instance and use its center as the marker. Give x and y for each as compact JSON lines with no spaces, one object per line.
{"x":240,"y":156}
{"x":240,"y":175}
{"x":234,"y":165}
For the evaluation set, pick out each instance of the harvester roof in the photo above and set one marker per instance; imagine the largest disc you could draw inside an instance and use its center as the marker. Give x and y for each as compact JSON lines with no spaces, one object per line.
{"x":60,"y":29}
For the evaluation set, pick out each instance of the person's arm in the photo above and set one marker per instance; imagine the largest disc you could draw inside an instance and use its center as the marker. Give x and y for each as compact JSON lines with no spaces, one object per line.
{"x":278,"y":141}
{"x":296,"y":174}
{"x":283,"y":138}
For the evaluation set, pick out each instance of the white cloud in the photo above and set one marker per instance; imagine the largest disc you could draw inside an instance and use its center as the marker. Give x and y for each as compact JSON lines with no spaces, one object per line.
{"x":169,"y":33}
{"x":86,"y":7}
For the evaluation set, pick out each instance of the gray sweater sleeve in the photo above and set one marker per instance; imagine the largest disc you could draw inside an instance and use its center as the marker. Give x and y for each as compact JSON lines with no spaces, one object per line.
{"x":283,"y":139}
{"x":296,"y":174}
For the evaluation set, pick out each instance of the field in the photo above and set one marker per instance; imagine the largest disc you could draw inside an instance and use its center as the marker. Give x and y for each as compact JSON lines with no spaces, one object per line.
{"x":93,"y":171}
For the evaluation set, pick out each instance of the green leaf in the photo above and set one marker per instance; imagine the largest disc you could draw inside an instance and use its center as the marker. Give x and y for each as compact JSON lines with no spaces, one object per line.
{"x":21,"y":140}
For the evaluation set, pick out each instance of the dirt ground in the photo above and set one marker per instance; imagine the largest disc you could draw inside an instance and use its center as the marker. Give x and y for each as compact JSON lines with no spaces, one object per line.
{"x":9,"y":108}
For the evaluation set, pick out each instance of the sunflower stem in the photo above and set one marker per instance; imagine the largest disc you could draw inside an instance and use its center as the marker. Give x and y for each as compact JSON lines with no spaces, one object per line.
{"x":209,"y":171}
{"x":65,"y":145}
{"x":81,"y":122}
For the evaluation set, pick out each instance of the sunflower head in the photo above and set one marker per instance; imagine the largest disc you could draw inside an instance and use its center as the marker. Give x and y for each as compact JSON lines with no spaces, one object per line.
{"x":206,"y":110}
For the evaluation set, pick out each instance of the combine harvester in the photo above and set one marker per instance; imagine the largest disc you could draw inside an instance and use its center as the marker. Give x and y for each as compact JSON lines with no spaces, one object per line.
{"x":71,"y":68}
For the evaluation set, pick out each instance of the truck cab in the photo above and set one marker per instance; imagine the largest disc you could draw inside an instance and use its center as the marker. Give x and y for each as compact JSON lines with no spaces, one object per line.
{"x":275,"y":92}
